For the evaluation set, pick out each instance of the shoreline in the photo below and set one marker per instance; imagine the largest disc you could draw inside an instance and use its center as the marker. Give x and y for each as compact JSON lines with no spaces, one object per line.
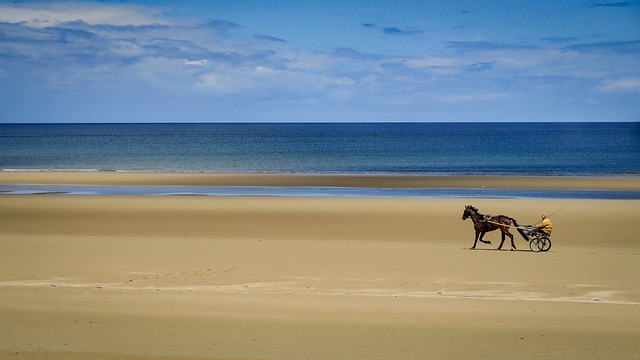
{"x":306,"y":191}
{"x":630,"y":183}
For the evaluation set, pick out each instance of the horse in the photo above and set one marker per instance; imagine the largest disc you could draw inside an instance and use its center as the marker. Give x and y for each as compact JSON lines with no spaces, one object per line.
{"x":485,"y":223}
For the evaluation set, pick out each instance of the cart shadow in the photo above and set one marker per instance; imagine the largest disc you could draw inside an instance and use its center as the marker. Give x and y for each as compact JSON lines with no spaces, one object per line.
{"x":507,"y":250}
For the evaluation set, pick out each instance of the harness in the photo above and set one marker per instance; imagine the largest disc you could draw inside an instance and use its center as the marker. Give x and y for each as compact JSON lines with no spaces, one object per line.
{"x":485,"y":220}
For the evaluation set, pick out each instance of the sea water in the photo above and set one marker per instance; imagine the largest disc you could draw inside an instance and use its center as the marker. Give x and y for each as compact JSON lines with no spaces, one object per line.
{"x":588,"y":149}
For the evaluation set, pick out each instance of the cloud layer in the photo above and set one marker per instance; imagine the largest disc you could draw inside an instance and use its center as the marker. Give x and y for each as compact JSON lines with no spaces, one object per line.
{"x":142,"y":64}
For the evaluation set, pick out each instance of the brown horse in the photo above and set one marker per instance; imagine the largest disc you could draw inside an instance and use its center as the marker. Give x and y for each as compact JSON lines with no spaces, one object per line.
{"x":485,"y":223}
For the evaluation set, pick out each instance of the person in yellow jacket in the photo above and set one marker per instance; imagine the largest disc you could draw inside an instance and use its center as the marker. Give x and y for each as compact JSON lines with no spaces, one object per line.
{"x":545,"y":224}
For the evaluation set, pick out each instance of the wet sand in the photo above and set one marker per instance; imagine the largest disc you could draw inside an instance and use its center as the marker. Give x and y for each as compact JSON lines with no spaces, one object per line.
{"x":374,"y":181}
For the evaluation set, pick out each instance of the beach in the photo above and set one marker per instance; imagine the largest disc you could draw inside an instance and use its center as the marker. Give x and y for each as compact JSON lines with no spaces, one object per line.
{"x":199,"y":277}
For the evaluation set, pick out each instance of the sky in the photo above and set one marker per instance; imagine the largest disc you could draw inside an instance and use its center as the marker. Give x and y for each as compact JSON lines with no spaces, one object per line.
{"x":319,"y":61}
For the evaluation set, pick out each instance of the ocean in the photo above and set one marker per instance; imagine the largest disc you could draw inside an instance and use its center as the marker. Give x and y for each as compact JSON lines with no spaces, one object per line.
{"x":586,"y":149}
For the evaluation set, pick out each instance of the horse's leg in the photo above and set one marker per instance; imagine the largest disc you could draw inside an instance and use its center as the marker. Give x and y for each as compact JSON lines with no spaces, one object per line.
{"x":513,"y":244}
{"x":503,"y":238}
{"x":475,"y":240}
{"x":482,"y":236}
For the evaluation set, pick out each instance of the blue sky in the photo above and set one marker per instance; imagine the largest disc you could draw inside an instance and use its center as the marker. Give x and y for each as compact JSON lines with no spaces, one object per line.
{"x":297,"y":61}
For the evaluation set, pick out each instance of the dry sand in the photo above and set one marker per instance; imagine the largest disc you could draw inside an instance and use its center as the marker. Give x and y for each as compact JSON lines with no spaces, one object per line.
{"x":133,"y":277}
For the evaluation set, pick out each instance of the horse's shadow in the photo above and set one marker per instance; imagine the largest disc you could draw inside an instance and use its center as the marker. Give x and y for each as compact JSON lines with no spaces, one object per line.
{"x":501,"y":250}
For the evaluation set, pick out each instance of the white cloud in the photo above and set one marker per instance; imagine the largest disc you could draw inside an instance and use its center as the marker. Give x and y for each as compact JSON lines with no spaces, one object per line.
{"x":343,"y":80}
{"x":201,"y":62}
{"x":41,"y":15}
{"x":433,"y":61}
{"x":619,"y":85}
{"x":126,"y":48}
{"x":211,"y":81}
{"x":473,"y":97}
{"x":248,"y":83}
{"x":264,"y":70}
{"x":298,"y":60}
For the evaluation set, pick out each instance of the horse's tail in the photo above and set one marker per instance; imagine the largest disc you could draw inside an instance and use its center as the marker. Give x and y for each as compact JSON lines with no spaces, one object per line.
{"x":515,"y":223}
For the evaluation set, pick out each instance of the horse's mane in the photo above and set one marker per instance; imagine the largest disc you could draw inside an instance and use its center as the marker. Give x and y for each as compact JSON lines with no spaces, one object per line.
{"x":472,"y":208}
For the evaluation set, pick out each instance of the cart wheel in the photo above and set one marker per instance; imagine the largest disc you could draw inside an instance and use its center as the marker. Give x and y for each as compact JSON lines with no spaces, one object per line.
{"x":546,"y":244}
{"x":535,"y":245}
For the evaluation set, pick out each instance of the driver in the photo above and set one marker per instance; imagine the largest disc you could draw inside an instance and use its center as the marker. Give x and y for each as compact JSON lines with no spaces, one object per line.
{"x":544,"y":224}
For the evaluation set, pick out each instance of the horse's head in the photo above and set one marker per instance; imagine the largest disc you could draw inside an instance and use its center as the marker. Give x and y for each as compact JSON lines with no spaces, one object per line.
{"x":469,"y":210}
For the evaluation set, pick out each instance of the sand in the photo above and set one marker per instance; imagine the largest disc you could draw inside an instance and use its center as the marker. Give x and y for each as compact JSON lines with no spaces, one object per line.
{"x":194,"y":277}
{"x":374,"y":181}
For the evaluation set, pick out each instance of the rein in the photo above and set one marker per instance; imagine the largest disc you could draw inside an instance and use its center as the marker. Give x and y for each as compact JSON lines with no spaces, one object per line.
{"x":556,"y":211}
{"x":480,"y":218}
{"x":501,"y":224}
{"x":522,"y":227}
